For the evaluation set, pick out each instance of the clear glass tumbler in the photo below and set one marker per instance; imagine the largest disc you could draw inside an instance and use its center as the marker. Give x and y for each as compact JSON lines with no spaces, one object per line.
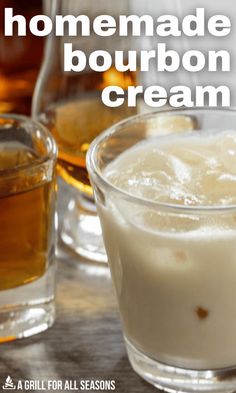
{"x":27,"y":231}
{"x":173,"y":266}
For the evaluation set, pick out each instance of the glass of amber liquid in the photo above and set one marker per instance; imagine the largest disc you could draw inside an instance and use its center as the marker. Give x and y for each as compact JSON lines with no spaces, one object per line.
{"x":70,"y":105}
{"x":27,"y":234}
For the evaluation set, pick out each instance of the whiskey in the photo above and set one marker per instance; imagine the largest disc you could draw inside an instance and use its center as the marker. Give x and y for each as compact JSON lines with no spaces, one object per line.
{"x":76,"y":122}
{"x":25,"y":219}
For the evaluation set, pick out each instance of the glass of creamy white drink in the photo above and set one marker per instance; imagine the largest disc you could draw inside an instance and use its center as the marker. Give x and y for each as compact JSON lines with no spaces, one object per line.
{"x":165,"y":189}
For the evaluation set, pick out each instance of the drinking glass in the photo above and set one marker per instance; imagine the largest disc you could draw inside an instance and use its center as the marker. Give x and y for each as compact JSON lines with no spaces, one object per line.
{"x":70,"y":105}
{"x":173,"y":266}
{"x":27,"y":231}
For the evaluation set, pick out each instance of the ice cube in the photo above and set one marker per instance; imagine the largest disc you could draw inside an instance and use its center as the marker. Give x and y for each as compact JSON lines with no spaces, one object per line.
{"x":227,"y":144}
{"x":167,"y":124}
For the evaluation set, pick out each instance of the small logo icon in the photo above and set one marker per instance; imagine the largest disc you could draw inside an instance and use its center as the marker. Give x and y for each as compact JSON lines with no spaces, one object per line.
{"x":9,"y":385}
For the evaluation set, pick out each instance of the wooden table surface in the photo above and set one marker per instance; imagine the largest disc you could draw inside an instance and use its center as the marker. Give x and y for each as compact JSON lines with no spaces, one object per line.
{"x":86,"y":340}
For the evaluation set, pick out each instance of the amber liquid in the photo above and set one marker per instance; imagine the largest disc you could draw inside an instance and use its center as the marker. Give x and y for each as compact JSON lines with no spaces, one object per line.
{"x":25,"y":223}
{"x":76,"y":122}
{"x":20,"y":59}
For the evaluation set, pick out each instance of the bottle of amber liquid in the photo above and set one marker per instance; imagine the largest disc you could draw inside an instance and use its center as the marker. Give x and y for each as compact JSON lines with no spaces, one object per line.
{"x":70,"y":105}
{"x":20,"y":59}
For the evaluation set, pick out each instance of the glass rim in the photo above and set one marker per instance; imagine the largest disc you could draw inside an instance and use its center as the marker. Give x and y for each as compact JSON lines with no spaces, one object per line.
{"x":96,"y":173}
{"x":38,"y":162}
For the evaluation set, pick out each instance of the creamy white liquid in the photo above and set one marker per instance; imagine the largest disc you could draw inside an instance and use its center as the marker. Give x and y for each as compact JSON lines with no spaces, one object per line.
{"x":175,"y":271}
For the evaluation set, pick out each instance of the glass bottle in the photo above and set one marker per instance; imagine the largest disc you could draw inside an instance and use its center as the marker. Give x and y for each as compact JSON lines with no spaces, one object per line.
{"x":20,"y":59}
{"x":70,"y":105}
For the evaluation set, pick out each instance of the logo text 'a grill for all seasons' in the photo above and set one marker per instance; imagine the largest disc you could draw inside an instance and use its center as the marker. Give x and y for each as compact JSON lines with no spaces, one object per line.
{"x":59,"y":385}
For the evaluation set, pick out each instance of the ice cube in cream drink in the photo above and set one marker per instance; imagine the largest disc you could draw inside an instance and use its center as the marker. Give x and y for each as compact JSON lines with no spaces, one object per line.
{"x":169,"y":224}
